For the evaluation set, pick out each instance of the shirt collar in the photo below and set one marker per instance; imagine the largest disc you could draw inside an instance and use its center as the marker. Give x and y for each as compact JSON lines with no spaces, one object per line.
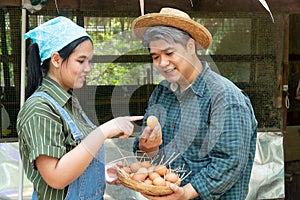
{"x":198,"y":86}
{"x":52,"y":88}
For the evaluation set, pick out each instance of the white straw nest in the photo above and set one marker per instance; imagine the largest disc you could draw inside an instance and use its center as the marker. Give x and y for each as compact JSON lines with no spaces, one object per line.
{"x":143,"y":176}
{"x":141,"y":186}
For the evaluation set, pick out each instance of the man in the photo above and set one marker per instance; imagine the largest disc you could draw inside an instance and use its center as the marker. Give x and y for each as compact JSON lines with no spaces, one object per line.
{"x":204,"y":119}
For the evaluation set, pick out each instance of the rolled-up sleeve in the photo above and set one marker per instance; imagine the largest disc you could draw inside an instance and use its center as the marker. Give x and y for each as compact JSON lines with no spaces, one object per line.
{"x":46,"y":136}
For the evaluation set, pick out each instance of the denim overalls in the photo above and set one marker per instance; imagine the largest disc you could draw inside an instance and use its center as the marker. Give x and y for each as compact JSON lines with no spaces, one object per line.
{"x":91,"y":184}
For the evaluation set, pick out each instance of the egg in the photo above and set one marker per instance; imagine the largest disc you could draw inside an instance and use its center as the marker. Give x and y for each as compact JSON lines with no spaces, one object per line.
{"x":139,"y":176}
{"x":152,"y":121}
{"x":148,"y":182}
{"x":161,"y":170}
{"x":159,"y":181}
{"x":168,"y":183}
{"x":134,"y":167}
{"x":153,"y":175}
{"x":146,"y":164}
{"x":142,"y":170}
{"x":171,"y":177}
{"x":151,"y":169}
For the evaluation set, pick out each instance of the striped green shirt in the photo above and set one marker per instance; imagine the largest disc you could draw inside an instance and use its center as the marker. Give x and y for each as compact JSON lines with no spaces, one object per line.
{"x":42,"y":131}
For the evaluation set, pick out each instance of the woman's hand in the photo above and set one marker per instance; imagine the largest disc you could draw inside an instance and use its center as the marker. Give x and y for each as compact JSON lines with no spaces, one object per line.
{"x":119,"y":125}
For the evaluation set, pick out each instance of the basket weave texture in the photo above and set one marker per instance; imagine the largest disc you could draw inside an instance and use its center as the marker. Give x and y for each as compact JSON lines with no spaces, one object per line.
{"x":141,"y":186}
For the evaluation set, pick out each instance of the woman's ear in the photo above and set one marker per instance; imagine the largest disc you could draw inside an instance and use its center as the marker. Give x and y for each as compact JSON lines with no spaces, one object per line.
{"x":56,"y":59}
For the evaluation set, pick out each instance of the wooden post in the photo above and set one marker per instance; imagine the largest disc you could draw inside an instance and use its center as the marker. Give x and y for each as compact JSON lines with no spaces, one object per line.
{"x":285,"y":73}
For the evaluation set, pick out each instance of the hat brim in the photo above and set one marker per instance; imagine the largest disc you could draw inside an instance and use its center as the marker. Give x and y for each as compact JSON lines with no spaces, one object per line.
{"x":198,"y":32}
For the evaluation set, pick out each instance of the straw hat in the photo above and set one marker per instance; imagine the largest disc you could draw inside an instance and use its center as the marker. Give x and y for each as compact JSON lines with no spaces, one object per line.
{"x":174,"y":18}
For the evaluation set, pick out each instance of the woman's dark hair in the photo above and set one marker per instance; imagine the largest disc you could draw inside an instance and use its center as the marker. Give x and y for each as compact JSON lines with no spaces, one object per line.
{"x":37,"y":70}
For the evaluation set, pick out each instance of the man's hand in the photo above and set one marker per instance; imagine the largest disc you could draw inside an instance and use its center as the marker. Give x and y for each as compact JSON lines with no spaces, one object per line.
{"x":179,"y":194}
{"x":151,"y":138}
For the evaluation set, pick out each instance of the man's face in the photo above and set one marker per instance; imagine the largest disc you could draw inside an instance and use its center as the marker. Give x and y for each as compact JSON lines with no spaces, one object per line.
{"x":173,"y":61}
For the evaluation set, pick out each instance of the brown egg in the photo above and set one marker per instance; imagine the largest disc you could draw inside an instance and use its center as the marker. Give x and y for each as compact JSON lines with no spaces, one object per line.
{"x":171,"y":177}
{"x":153,"y":175}
{"x":139,"y":176}
{"x":148,"y":182}
{"x":152,"y":121}
{"x":151,"y":169}
{"x":168,"y":183}
{"x":146,"y":164}
{"x":142,"y":170}
{"x":161,"y":169}
{"x":159,"y":181}
{"x":134,"y":167}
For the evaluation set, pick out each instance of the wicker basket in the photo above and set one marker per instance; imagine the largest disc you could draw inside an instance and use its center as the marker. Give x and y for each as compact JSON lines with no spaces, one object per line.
{"x":141,"y":186}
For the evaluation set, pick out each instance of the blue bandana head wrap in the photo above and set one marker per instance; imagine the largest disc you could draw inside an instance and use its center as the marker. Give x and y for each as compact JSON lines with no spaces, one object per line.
{"x":54,"y":35}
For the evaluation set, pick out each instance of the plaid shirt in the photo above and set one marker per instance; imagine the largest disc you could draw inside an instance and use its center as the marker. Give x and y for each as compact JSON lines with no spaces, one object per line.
{"x":212,"y":126}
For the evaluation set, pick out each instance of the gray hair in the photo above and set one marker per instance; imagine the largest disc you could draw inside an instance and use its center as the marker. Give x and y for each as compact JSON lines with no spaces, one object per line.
{"x":166,"y":33}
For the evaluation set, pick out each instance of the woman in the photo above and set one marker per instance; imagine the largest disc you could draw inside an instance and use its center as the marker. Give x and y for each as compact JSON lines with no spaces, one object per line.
{"x":60,"y":148}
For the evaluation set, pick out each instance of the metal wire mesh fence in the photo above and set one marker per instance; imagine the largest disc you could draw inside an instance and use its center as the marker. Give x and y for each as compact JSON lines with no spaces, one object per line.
{"x":247,"y":49}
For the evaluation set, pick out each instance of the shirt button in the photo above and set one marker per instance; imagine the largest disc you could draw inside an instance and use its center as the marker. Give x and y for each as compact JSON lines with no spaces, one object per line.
{"x":173,"y":124}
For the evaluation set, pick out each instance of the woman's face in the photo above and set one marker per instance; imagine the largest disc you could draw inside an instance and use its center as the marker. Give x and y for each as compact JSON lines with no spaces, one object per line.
{"x":73,"y":72}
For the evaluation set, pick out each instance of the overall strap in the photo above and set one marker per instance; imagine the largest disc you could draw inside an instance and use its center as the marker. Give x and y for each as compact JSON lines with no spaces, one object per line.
{"x":74,"y":130}
{"x":85,"y":117}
